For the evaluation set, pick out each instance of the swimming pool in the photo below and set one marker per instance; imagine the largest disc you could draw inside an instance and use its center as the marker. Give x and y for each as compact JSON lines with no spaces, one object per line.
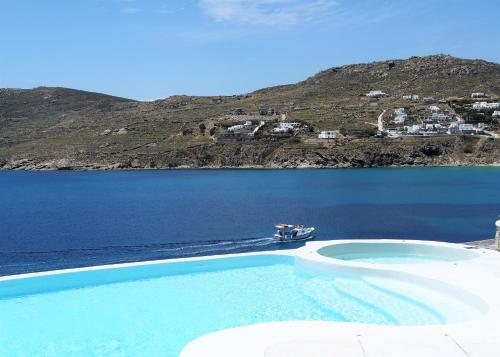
{"x":157,"y":308}
{"x":395,"y":253}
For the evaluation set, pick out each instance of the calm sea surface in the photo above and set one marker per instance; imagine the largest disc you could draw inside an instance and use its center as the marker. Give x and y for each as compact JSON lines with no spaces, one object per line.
{"x":52,"y":220}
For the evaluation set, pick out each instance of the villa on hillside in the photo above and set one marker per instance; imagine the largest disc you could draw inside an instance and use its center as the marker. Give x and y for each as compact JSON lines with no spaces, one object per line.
{"x":331,"y":134}
{"x":239,"y":132}
{"x":478,"y":95}
{"x":268,"y":111}
{"x":485,"y":105}
{"x":376,"y":94}
{"x":413,"y":98}
{"x":400,"y":115}
{"x":239,"y":127}
{"x":285,"y":127}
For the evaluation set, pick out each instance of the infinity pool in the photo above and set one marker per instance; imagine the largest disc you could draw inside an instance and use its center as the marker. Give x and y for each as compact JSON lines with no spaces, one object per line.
{"x":156,"y":309}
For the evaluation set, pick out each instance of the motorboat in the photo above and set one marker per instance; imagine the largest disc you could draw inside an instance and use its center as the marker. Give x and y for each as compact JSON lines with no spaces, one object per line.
{"x":290,"y":232}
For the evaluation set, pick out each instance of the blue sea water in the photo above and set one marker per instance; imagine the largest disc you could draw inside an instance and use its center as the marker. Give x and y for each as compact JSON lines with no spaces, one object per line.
{"x":52,"y":220}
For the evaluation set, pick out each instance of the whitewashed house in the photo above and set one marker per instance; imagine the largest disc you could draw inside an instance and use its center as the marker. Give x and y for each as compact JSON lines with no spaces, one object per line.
{"x":284,"y":127}
{"x":496,"y":114}
{"x":414,"y":129}
{"x":400,"y":115}
{"x":236,"y":127}
{"x":289,"y":125}
{"x":376,"y":94}
{"x":485,"y":105}
{"x":478,"y":95}
{"x":467,"y":128}
{"x":327,"y":135}
{"x":239,"y":127}
{"x":413,"y":98}
{"x":454,"y":129}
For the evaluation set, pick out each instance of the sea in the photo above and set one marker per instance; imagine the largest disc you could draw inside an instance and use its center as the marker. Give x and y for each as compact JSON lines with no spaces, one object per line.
{"x":54,"y":220}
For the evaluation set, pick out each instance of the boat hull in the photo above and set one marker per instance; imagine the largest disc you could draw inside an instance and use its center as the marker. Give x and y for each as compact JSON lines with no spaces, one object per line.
{"x":309,"y":234}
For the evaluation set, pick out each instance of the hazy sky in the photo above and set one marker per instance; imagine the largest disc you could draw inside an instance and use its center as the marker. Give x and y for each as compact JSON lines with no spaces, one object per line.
{"x":147,"y":49}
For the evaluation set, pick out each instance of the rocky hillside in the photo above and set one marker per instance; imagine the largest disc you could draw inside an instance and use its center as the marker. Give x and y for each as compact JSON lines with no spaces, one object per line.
{"x":58,"y":128}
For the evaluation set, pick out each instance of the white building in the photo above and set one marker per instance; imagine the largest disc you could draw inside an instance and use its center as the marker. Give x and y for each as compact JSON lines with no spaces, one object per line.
{"x":414,"y":129}
{"x":413,"y":97}
{"x":434,"y":108}
{"x":376,"y":94}
{"x":454,"y":129}
{"x":432,"y":126}
{"x":327,"y":135}
{"x":240,"y":126}
{"x":485,"y":105}
{"x":496,"y":114}
{"x":284,"y":127}
{"x":394,"y":132}
{"x":236,"y":127}
{"x":400,"y":115}
{"x":478,"y":95}
{"x":437,"y":117}
{"x":288,"y":125}
{"x":467,"y":128}
{"x":281,"y":130}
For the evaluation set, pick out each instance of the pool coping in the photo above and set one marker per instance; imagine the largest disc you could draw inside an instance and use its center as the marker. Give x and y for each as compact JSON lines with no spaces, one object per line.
{"x":287,"y":252}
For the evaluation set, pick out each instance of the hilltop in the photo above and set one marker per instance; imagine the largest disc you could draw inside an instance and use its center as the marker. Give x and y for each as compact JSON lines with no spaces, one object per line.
{"x":60,"y":128}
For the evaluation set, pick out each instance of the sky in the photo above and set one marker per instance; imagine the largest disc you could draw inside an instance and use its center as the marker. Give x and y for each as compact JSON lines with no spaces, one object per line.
{"x":150,"y":49}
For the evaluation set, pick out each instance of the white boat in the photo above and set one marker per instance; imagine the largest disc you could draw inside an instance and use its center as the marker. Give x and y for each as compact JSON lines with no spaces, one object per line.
{"x":290,"y":232}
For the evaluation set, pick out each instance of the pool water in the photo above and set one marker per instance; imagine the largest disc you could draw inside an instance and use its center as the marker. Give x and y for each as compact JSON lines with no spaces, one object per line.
{"x":393,"y":258}
{"x":157,"y":315}
{"x":396,"y":252}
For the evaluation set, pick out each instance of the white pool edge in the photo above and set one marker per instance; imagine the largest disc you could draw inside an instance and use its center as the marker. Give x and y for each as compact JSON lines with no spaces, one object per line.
{"x":287,"y":252}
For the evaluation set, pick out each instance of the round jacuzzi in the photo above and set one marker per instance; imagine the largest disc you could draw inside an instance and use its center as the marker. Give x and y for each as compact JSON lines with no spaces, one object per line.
{"x":396,"y":252}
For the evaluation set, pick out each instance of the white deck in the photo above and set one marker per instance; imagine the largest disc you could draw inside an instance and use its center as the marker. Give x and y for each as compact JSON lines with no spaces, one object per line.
{"x":477,"y":338}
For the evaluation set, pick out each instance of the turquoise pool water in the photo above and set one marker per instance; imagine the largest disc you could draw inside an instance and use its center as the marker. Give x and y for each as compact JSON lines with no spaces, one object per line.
{"x":393,"y":258}
{"x":395,"y":253}
{"x":155,"y":310}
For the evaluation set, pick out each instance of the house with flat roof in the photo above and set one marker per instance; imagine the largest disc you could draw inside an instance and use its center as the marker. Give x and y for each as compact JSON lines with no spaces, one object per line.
{"x":413,"y":98}
{"x":467,"y":128}
{"x":376,"y":94}
{"x":331,"y":134}
{"x":286,"y":127}
{"x":485,"y":105}
{"x":400,"y":115}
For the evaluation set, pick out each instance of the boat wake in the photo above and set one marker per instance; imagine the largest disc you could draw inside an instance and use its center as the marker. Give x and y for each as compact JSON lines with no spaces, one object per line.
{"x":30,"y":261}
{"x":222,"y":246}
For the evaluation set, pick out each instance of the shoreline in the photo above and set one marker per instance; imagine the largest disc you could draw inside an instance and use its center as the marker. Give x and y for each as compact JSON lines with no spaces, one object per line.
{"x":115,"y":167}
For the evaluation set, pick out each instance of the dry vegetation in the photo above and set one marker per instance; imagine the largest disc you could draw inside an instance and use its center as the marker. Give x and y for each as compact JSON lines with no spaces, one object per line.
{"x":65,"y":128}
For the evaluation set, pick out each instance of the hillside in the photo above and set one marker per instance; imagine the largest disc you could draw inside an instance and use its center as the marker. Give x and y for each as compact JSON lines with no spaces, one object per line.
{"x":59,"y":128}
